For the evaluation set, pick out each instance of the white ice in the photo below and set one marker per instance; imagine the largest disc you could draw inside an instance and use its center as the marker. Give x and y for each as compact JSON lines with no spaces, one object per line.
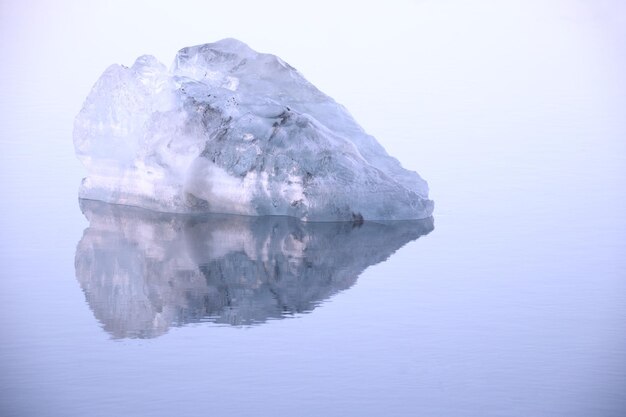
{"x":230,"y":130}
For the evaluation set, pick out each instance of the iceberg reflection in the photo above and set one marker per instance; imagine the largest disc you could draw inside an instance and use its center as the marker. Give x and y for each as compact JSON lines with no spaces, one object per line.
{"x":143,"y":272}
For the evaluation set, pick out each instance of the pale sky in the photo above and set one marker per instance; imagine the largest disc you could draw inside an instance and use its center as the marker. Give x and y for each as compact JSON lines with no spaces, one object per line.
{"x":470,"y":74}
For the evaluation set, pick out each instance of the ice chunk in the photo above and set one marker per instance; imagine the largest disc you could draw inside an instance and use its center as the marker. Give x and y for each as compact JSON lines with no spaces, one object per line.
{"x":230,"y":130}
{"x":143,"y":272}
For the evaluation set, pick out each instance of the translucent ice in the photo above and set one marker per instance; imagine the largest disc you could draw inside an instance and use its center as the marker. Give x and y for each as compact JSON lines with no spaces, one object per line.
{"x":230,"y":130}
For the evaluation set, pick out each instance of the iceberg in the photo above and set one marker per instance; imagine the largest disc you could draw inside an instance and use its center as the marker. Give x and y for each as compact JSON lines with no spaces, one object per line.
{"x":229,"y":130}
{"x":144,"y":272}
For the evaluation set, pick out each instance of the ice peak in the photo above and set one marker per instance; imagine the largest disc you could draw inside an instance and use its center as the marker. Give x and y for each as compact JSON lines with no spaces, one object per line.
{"x":231,"y":45}
{"x":225,"y":56}
{"x":145,"y":61}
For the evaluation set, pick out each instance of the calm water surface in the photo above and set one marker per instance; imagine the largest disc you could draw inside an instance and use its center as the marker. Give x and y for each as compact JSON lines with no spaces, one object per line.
{"x":514,"y":304}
